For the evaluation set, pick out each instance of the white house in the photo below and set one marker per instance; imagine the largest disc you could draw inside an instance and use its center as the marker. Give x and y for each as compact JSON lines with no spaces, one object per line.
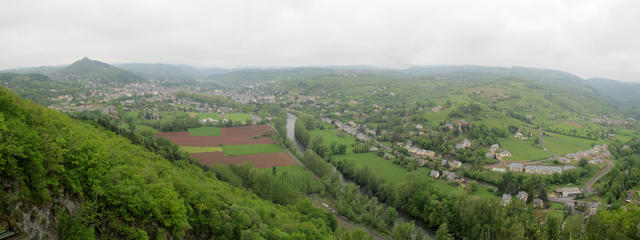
{"x":568,"y":192}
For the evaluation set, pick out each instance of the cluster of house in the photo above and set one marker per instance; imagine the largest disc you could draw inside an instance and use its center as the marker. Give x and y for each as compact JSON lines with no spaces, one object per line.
{"x":451,"y":164}
{"x":457,"y":124}
{"x":104,"y":93}
{"x":451,"y":176}
{"x":352,"y":128}
{"x":539,"y":169}
{"x":520,"y":136}
{"x":595,"y":155}
{"x":522,"y":196}
{"x":604,"y":120}
{"x":464,"y":144}
{"x":493,"y":153}
{"x":419,"y":151}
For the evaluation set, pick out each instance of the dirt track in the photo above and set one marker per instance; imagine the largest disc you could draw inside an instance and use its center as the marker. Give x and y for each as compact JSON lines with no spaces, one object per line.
{"x":264,"y":160}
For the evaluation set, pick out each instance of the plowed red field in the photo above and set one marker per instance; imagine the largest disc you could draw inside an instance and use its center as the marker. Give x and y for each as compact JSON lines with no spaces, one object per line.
{"x":228,"y":136}
{"x":264,"y":160}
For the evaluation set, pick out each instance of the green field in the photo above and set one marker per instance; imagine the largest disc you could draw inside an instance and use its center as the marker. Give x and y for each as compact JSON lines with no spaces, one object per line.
{"x":236,"y":150}
{"x":215,"y":116}
{"x":332,"y":135}
{"x":522,"y":150}
{"x":381,"y":167}
{"x":561,"y":144}
{"x":435,"y":118}
{"x":396,"y":175}
{"x":200,"y":149}
{"x":205,"y":131}
{"x":237,"y":117}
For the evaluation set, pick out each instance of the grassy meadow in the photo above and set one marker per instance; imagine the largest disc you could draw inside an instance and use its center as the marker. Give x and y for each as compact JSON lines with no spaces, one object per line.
{"x":236,"y":150}
{"x":190,"y":149}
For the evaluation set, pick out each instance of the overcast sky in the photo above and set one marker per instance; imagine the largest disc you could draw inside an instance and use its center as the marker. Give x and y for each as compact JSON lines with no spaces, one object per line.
{"x":598,"y":38}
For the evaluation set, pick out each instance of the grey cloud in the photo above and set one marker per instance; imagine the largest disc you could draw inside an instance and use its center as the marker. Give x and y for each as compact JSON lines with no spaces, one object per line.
{"x":592,"y":38}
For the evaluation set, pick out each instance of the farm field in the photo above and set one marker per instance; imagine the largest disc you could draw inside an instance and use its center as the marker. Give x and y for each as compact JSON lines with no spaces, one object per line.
{"x":435,"y":118}
{"x":386,"y":169}
{"x":228,"y":136}
{"x":396,"y":175}
{"x":205,"y":131}
{"x":206,"y":115}
{"x":522,"y":150}
{"x":235,"y":145}
{"x":200,"y":149}
{"x":561,"y":144}
{"x":237,"y":150}
{"x":237,"y":117}
{"x":333,"y":135}
{"x":264,"y":160}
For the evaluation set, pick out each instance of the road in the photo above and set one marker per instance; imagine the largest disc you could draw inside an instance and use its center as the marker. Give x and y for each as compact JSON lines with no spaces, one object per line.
{"x":594,"y":179}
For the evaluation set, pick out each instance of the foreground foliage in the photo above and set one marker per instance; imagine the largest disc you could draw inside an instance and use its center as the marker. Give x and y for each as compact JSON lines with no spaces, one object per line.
{"x":124,"y":191}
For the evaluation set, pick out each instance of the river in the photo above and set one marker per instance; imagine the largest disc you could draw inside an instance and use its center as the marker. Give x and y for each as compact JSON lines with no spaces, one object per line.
{"x":403,"y":217}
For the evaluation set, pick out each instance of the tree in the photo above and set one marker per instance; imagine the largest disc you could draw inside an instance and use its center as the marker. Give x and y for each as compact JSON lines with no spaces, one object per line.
{"x":341,"y":149}
{"x":390,"y":216}
{"x":542,"y":194}
{"x":406,"y":231}
{"x":443,"y":233}
{"x":553,"y":227}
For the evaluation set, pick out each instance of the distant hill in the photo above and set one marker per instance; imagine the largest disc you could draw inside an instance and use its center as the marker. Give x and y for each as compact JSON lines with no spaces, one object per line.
{"x":622,"y":92}
{"x":482,"y":72}
{"x":37,"y":87}
{"x":170,"y":70}
{"x":45,"y":70}
{"x":537,"y":91}
{"x":87,"y":69}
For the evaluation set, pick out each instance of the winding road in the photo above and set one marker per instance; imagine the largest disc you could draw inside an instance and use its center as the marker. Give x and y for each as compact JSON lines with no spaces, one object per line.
{"x":594,"y":179}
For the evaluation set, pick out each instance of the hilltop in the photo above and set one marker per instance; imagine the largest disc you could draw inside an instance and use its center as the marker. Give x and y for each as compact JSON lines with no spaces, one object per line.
{"x":92,"y":70}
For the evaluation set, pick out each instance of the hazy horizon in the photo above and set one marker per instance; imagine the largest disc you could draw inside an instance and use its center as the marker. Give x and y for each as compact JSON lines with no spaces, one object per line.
{"x":586,"y":38}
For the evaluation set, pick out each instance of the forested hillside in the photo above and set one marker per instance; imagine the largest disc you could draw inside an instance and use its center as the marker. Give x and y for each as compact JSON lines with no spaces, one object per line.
{"x":37,"y":87}
{"x":87,"y":69}
{"x":64,"y":178}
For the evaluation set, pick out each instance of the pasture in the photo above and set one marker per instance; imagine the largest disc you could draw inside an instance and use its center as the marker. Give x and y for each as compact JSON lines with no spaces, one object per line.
{"x":562,"y":144}
{"x":237,"y":150}
{"x":333,"y":135}
{"x":205,"y":131}
{"x":522,"y":150}
{"x":189,"y":149}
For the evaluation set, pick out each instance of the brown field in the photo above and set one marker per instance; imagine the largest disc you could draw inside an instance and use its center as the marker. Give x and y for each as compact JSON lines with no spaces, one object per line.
{"x":228,"y":136}
{"x":264,"y":160}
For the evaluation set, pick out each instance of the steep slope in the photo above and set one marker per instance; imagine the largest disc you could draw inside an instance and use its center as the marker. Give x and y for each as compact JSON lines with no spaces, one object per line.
{"x":87,"y":69}
{"x":64,"y":178}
